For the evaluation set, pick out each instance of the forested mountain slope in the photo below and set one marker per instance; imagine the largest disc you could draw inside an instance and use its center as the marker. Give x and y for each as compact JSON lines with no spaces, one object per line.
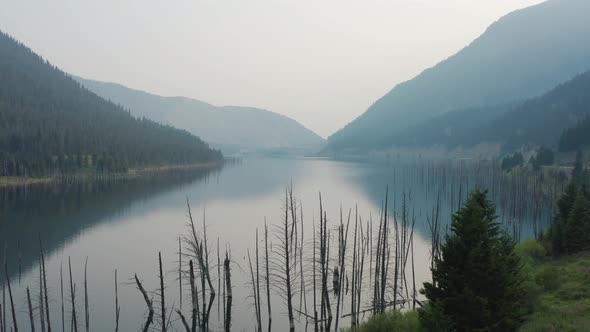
{"x":50,"y":124}
{"x":576,"y":137}
{"x":227,"y":127}
{"x":534,"y":122}
{"x":541,"y":120}
{"x":522,"y":55}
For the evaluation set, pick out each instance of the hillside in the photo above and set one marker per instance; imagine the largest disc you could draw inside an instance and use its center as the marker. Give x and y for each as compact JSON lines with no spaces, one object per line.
{"x":50,"y":124}
{"x":540,"y":120}
{"x":576,"y":137}
{"x":229,"y":127}
{"x":522,"y":55}
{"x":512,"y":125}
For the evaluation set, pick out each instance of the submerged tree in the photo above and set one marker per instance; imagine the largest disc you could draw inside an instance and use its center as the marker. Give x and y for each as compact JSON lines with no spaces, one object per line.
{"x":477,"y":283}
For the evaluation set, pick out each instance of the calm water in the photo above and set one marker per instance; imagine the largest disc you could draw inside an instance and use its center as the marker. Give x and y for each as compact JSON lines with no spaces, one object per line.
{"x":124,"y":225}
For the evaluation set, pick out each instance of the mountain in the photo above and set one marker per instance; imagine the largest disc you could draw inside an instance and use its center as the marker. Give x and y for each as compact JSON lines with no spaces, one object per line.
{"x":576,"y":137}
{"x":540,"y":120}
{"x":522,"y":55}
{"x":230,"y":128}
{"x":50,"y":124}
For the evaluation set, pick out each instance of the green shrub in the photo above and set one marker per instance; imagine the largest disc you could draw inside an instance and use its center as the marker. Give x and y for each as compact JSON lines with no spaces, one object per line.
{"x":531,"y":248}
{"x":548,"y":278}
{"x":391,"y":321}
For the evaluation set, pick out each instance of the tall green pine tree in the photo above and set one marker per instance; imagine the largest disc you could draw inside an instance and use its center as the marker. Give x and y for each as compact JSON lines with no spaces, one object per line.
{"x":577,"y":229}
{"x":477,"y":283}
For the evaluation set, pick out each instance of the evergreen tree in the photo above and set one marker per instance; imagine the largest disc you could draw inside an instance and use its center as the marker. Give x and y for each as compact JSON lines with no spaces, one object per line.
{"x":512,"y":161}
{"x":577,"y":229}
{"x":544,"y":157}
{"x":477,"y":282}
{"x":49,"y":123}
{"x":556,"y":232}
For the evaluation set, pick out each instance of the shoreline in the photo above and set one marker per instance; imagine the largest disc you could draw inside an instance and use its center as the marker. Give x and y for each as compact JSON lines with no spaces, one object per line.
{"x":21,"y":181}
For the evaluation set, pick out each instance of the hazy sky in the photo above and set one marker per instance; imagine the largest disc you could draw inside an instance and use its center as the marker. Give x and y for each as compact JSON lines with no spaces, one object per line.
{"x":322,"y":62}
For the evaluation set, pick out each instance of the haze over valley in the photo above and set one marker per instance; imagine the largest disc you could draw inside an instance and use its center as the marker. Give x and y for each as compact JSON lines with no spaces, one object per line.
{"x":309,"y":166}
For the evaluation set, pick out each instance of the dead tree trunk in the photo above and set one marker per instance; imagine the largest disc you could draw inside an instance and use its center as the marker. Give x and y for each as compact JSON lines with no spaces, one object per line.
{"x":254,"y":294}
{"x":287,"y":254}
{"x":45,"y":286}
{"x":117,"y":307}
{"x":14,"y":322}
{"x":41,"y":298}
{"x":267,"y":277}
{"x":258,"y":286}
{"x":149,"y":304}
{"x":162,"y":297}
{"x":73,"y":297}
{"x":63,"y":312}
{"x":194,"y":299}
{"x":226,"y":262}
{"x":86,"y":311}
{"x":30,"y":310}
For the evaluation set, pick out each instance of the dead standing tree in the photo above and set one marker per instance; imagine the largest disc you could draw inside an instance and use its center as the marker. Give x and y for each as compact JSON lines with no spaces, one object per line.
{"x":227,"y":273}
{"x":283,"y":267}
{"x":198,"y":250}
{"x":148,"y":302}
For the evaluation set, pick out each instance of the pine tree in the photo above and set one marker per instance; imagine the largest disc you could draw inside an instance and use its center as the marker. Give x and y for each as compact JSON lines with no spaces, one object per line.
{"x":577,"y":229}
{"x":556,"y":235}
{"x":477,"y":283}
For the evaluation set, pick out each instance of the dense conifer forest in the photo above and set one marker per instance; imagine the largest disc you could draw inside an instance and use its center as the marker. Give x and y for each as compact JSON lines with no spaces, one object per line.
{"x":576,"y":137}
{"x":51,"y":125}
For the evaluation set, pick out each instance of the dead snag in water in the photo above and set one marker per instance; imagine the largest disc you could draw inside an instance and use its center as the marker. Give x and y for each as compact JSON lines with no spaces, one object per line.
{"x":30,"y":310}
{"x":218,"y":279}
{"x":267,"y":275}
{"x":45,"y":285}
{"x":286,"y":256}
{"x":258,"y":283}
{"x":117,"y":307}
{"x":254,"y":294}
{"x":194,"y":298}
{"x":73,"y":297}
{"x":353,"y":319}
{"x":86,"y":311}
{"x":14,"y":323}
{"x":183,"y":320}
{"x":20,"y":262}
{"x":314,"y":262}
{"x":63,"y":313}
{"x":227,"y":272}
{"x":198,"y":249}
{"x":302,"y":275}
{"x":162,"y":297}
{"x":283,"y":263}
{"x":1,"y":319}
{"x":3,"y":314}
{"x":343,"y":237}
{"x":41,"y":305}
{"x":180,"y":271}
{"x":149,"y":304}
{"x":385,"y":261}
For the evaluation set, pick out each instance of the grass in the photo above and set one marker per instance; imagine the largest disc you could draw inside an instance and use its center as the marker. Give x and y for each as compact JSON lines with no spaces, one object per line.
{"x":564,"y":300}
{"x":559,"y":295}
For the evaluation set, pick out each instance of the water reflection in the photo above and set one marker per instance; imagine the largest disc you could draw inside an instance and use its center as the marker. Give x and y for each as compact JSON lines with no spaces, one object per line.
{"x":58,"y":213}
{"x":123,"y":225}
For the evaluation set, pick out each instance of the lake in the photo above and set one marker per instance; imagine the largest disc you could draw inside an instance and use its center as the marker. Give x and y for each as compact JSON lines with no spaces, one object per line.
{"x":123,"y":225}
